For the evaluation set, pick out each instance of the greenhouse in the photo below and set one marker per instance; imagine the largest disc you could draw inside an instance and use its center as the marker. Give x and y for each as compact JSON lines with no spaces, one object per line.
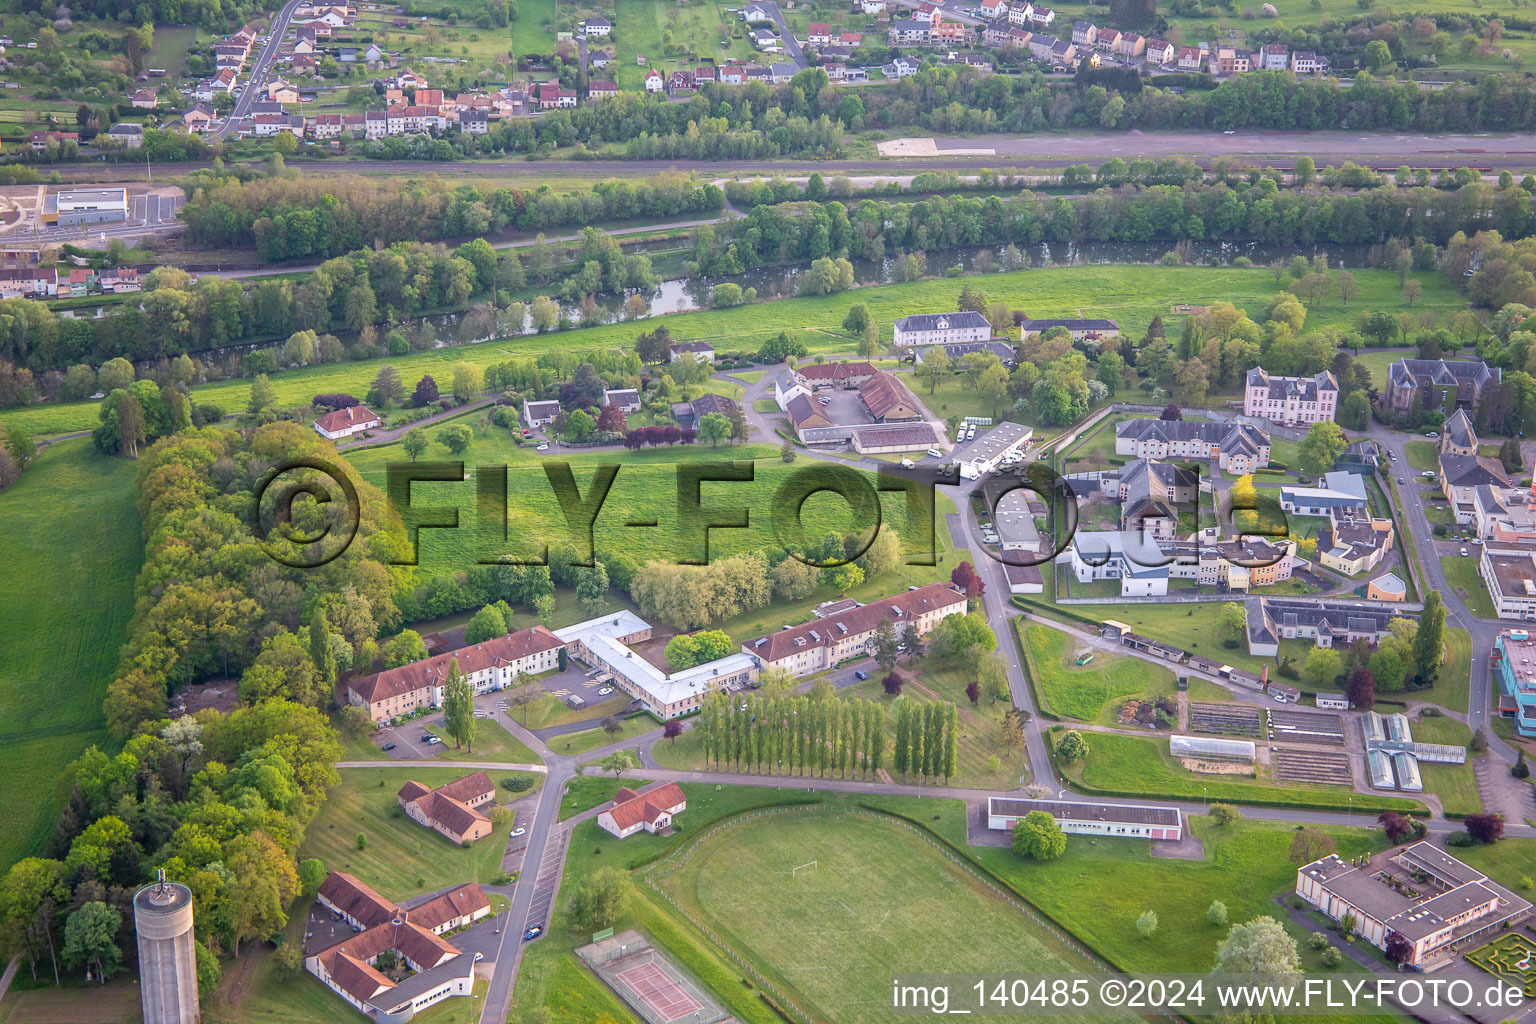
{"x":1381,"y":769}
{"x":1408,"y":778}
{"x":1211,"y":748}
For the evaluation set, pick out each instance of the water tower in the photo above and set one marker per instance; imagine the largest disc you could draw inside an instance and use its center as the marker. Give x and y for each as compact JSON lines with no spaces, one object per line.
{"x":162,"y":916}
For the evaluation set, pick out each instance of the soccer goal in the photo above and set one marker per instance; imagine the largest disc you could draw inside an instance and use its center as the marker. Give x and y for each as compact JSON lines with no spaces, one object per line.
{"x":794,"y":872}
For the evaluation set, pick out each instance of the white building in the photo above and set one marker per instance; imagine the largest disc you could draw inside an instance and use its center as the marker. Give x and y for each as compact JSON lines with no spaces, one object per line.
{"x":346,"y":422}
{"x":941,"y":328}
{"x":1146,"y":821}
{"x":1007,"y":440}
{"x":650,"y":809}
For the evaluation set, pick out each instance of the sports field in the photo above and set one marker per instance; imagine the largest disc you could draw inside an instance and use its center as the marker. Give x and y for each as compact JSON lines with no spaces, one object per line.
{"x":70,"y":532}
{"x":879,"y":901}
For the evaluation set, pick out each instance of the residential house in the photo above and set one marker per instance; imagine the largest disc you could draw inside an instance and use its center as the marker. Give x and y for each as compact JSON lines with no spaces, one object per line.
{"x":602,"y":90}
{"x":1304,"y":62}
{"x":1353,"y":545}
{"x":1160,"y":51}
{"x":145,"y":99}
{"x":304,"y":65}
{"x":626,"y":399}
{"x":129,"y":136}
{"x":597,"y":27}
{"x":818,"y":34}
{"x":346,"y":422}
{"x":375,"y":124}
{"x":681,"y":81}
{"x":843,"y":374}
{"x":902,"y":67}
{"x":1190,"y":58}
{"x":474,"y":122}
{"x":908,"y":32}
{"x":1084,"y":33}
{"x":1107,"y":40}
{"x":783,"y":71}
{"x":653,"y":81}
{"x":1041,"y":17}
{"x":702,"y":351}
{"x":994,"y":9}
{"x":1274,"y":57}
{"x":852,"y":40}
{"x":1130,"y":46}
{"x":1018,"y":14}
{"x":540,"y":414}
{"x":1337,"y":492}
{"x":452,"y":809}
{"x":650,"y":809}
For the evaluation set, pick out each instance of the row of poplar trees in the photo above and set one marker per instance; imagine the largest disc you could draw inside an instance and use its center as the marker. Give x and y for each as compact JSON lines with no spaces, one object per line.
{"x":795,"y":735}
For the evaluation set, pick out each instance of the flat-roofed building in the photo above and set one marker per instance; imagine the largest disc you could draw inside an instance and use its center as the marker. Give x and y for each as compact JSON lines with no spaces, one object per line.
{"x":1510,"y":576}
{"x":1435,"y":902}
{"x":991,"y":447}
{"x":1148,"y":821}
{"x":73,"y":207}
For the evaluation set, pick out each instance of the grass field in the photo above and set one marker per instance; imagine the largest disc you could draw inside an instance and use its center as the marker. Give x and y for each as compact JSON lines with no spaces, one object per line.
{"x":1510,"y":862}
{"x":402,"y":859}
{"x":833,"y":935}
{"x":591,"y":739}
{"x":551,"y":976}
{"x":492,"y":743}
{"x":588,"y":791}
{"x":1420,"y":455}
{"x":550,"y":710}
{"x":1462,"y":575}
{"x":71,"y":533}
{"x":1130,"y":294}
{"x":1089,"y":692}
{"x":1454,"y":784}
{"x":1118,"y":764}
{"x":1098,"y":889}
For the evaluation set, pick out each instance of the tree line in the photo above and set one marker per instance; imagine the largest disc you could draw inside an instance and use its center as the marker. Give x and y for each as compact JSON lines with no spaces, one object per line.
{"x":793,"y":735}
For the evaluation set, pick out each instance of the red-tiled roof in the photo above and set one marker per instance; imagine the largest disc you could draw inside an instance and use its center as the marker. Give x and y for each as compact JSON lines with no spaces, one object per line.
{"x":836,"y":371}
{"x":855,"y":621}
{"x":883,"y":394}
{"x":341,"y":419}
{"x":455,"y":903}
{"x":630,"y":808}
{"x":432,"y":671}
{"x":356,"y":900}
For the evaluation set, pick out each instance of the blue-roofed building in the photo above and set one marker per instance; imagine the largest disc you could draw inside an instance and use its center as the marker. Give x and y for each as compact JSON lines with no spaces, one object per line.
{"x":1513,"y":662}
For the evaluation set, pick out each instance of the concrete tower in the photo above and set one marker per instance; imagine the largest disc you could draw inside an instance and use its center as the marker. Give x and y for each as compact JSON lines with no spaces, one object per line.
{"x":162,"y":916}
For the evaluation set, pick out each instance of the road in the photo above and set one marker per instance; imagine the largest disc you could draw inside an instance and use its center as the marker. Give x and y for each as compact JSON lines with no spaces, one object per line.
{"x":1008,"y":154}
{"x":260,"y":69}
{"x":533,"y":897}
{"x":796,"y":53}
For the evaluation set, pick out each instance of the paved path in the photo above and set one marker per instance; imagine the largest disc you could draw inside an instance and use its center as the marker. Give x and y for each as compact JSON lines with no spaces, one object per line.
{"x":10,"y":972}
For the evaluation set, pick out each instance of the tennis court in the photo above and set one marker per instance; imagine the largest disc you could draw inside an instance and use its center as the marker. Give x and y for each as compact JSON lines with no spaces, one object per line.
{"x":664,"y":996}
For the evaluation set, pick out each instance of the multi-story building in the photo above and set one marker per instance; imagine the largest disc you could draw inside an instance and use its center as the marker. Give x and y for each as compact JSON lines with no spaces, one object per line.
{"x":941,"y":328}
{"x":1513,"y":663}
{"x":1419,"y":895}
{"x":1152,"y":495}
{"x":1338,"y":491}
{"x":1290,"y":400}
{"x":1304,"y":62}
{"x":1274,"y":57}
{"x":822,"y":643}
{"x":1353,"y":545}
{"x":491,"y":665}
{"x":1438,"y":384}
{"x":1084,"y":33}
{"x":1238,"y":448}
{"x":1160,"y":51}
{"x":1510,"y":576}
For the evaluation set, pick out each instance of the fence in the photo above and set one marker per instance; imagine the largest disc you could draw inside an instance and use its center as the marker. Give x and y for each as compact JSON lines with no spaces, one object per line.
{"x":679,"y":858}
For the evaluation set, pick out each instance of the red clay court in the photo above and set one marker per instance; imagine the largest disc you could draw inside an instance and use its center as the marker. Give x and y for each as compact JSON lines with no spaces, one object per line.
{"x":659,"y":992}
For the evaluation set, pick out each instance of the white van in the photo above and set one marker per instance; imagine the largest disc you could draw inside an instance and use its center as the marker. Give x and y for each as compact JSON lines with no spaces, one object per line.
{"x":907,"y":463}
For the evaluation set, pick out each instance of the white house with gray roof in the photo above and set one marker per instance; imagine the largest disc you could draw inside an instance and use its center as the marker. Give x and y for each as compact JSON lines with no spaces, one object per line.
{"x":1238,"y":448}
{"x":941,"y":328}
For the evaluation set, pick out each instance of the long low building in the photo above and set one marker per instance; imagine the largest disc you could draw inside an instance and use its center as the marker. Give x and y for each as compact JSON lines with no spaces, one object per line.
{"x":72,"y":207}
{"x":1325,"y":623}
{"x":1147,"y":821}
{"x":491,"y":665}
{"x":1432,"y":900}
{"x":604,"y":643}
{"x":823,"y":642}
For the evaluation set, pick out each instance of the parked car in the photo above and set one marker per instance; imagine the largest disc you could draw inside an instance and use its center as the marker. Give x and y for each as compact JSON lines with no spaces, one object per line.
{"x":533,"y":933}
{"x":388,"y":746}
{"x":1430,"y":433}
{"x":935,"y":453}
{"x":479,"y":957}
{"x":605,"y":691}
{"x":860,"y":674}
{"x":519,"y":831}
{"x":1463,"y":551}
{"x":542,"y":448}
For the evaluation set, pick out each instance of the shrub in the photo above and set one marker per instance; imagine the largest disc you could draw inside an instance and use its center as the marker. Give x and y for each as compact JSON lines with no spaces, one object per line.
{"x":1459,"y":839}
{"x":1332,"y":957}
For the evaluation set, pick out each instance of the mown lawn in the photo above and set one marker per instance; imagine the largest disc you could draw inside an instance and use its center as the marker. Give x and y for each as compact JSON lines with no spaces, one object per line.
{"x":401,"y":859}
{"x":492,"y":743}
{"x":552,"y":977}
{"x":1454,"y":784}
{"x":1088,"y":692}
{"x":70,"y":531}
{"x":1122,"y":765}
{"x":588,"y":791}
{"x":1098,"y":889}
{"x":1130,"y":294}
{"x":1461,"y":573}
{"x":591,"y":739}
{"x":834,"y":933}
{"x":1510,"y":862}
{"x":1420,"y":455}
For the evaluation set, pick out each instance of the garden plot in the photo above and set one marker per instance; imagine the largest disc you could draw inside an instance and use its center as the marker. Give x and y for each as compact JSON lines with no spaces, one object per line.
{"x":1306,"y":727}
{"x":1326,"y":767}
{"x":1225,"y":720}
